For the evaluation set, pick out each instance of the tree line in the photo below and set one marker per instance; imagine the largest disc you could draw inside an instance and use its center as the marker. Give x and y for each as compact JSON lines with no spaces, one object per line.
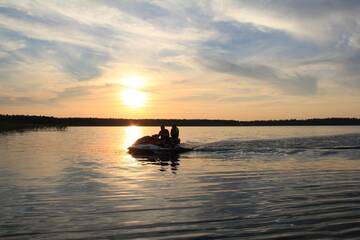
{"x":71,"y":121}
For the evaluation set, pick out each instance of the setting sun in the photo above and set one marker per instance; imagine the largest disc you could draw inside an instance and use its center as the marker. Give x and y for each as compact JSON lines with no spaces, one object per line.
{"x":132,"y":96}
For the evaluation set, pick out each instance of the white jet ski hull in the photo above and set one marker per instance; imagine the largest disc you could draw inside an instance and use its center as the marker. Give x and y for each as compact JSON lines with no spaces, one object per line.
{"x":155,"y":149}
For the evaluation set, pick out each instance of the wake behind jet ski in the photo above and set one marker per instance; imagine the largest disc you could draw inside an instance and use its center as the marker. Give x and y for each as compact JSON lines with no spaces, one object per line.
{"x":159,"y":143}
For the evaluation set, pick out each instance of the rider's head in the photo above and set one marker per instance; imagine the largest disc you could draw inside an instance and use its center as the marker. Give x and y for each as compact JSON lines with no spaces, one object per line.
{"x":162,"y":127}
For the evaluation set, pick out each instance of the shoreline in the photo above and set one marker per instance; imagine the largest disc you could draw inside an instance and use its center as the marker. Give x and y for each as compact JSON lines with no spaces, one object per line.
{"x":90,"y":121}
{"x":27,"y":122}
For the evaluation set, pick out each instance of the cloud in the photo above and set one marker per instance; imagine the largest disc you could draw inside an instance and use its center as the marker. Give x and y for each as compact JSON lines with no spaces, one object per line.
{"x":11,"y":101}
{"x":51,"y":27}
{"x":10,"y":46}
{"x":83,"y":44}
{"x":70,"y":93}
{"x":246,"y":98}
{"x":280,"y":48}
{"x":199,"y":97}
{"x":141,"y":9}
{"x":294,"y":83}
{"x":319,"y":21}
{"x":352,"y":63}
{"x":79,"y":62}
{"x":351,"y":69}
{"x":67,"y":94}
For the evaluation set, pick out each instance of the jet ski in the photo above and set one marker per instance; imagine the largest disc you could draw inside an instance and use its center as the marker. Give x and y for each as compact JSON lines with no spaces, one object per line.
{"x":153,"y":145}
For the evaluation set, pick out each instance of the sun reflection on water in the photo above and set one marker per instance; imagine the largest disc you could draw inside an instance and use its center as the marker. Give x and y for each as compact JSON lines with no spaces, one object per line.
{"x":132,"y":133}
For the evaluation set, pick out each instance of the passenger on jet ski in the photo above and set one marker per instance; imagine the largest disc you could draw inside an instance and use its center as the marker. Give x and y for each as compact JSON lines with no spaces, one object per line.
{"x":160,"y":143}
{"x":162,"y":139}
{"x":174,"y":134}
{"x":164,"y":134}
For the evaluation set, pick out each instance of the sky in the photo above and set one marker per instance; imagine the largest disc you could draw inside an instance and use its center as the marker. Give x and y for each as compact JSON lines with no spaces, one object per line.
{"x":245,"y":59}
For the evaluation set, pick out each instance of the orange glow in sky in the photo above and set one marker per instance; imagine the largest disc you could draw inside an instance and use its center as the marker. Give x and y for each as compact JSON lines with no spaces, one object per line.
{"x":234,"y":59}
{"x":132,"y":96}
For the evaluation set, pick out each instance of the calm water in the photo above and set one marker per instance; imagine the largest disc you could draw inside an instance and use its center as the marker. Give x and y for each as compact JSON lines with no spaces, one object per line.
{"x":241,"y":183}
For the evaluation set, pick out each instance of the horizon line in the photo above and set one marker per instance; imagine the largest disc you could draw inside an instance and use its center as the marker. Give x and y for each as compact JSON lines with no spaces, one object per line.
{"x":182,"y":119}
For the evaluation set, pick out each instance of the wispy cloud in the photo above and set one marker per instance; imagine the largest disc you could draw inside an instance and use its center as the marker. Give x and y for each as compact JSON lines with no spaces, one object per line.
{"x":281,"y":48}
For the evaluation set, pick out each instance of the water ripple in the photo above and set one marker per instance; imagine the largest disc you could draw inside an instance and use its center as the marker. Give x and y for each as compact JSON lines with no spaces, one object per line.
{"x":69,"y":193}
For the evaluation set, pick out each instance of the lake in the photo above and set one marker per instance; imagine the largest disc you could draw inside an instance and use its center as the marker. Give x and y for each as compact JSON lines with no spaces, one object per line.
{"x":239,"y":182}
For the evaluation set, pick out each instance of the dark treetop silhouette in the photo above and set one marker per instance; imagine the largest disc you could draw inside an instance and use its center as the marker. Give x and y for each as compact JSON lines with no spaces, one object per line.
{"x":13,"y":122}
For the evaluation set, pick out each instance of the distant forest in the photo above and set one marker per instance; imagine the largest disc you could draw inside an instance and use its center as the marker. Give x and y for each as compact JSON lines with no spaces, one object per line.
{"x":18,"y":120}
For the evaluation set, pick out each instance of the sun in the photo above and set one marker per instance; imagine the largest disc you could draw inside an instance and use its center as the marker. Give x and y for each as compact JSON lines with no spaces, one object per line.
{"x":132,"y":95}
{"x":133,"y":98}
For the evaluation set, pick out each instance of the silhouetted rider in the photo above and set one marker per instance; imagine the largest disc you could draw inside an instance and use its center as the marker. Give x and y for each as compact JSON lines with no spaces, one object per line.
{"x":175,"y":134}
{"x":164,"y":134}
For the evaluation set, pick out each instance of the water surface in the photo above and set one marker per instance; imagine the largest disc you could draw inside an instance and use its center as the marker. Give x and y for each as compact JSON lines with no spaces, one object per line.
{"x":241,"y":183}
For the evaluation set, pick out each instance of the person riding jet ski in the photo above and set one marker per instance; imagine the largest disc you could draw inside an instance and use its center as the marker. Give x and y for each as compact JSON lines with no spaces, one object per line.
{"x":174,"y":134}
{"x":160,"y":143}
{"x":164,"y":134}
{"x":162,"y":138}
